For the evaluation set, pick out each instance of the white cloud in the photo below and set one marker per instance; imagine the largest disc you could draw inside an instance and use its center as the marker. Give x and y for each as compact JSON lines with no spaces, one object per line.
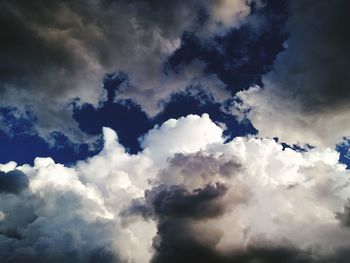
{"x":276,"y":116}
{"x":272,"y":194}
{"x":185,"y":135}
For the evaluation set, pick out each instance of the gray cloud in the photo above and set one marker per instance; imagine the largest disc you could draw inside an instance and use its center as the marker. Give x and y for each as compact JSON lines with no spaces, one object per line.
{"x":190,"y":192}
{"x":180,"y":246}
{"x":176,"y":201}
{"x":315,"y":70}
{"x":13,"y":181}
{"x":344,"y":216}
{"x":53,"y":52}
{"x":198,"y":169}
{"x":32,"y":229}
{"x":306,"y":98}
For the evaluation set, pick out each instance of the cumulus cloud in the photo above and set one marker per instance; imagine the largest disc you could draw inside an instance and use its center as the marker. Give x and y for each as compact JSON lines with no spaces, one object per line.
{"x":64,"y":218}
{"x":54,"y":52}
{"x":305,"y":98}
{"x":254,"y":209}
{"x":170,"y":138}
{"x":244,"y":201}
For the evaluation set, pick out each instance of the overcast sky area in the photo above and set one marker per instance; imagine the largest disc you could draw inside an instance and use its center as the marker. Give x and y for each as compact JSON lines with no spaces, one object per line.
{"x":150,"y":131}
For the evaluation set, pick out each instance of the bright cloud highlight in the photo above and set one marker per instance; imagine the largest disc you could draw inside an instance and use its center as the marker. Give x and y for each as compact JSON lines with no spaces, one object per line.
{"x":242,"y":200}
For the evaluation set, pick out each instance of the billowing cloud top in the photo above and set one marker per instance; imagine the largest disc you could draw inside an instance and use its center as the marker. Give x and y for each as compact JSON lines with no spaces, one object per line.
{"x":179,"y":201}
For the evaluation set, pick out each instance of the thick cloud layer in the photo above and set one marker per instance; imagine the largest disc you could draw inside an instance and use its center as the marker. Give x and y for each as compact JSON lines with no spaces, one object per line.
{"x":248,"y":200}
{"x":53,"y":52}
{"x":306,"y":99}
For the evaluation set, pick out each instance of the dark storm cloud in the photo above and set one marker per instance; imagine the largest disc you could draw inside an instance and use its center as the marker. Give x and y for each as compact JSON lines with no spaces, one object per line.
{"x":13,"y":181}
{"x":103,"y":255}
{"x":176,"y":210}
{"x":52,"y":52}
{"x":199,"y":194}
{"x":315,"y":67}
{"x":176,"y":202}
{"x":184,"y":236}
{"x":180,"y":246}
{"x":306,"y":97}
{"x":179,"y":240}
{"x":47,"y":44}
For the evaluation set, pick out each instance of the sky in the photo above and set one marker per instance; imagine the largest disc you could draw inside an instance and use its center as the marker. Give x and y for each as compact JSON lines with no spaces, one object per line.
{"x":174,"y":131}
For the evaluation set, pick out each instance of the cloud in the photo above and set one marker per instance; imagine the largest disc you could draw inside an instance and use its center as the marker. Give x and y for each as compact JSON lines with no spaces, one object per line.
{"x":305,"y":99}
{"x":177,"y":202}
{"x":13,"y":181}
{"x":60,"y":219}
{"x":53,"y":53}
{"x":269,"y":197}
{"x":240,"y":201}
{"x":344,"y":216}
{"x":185,"y":135}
